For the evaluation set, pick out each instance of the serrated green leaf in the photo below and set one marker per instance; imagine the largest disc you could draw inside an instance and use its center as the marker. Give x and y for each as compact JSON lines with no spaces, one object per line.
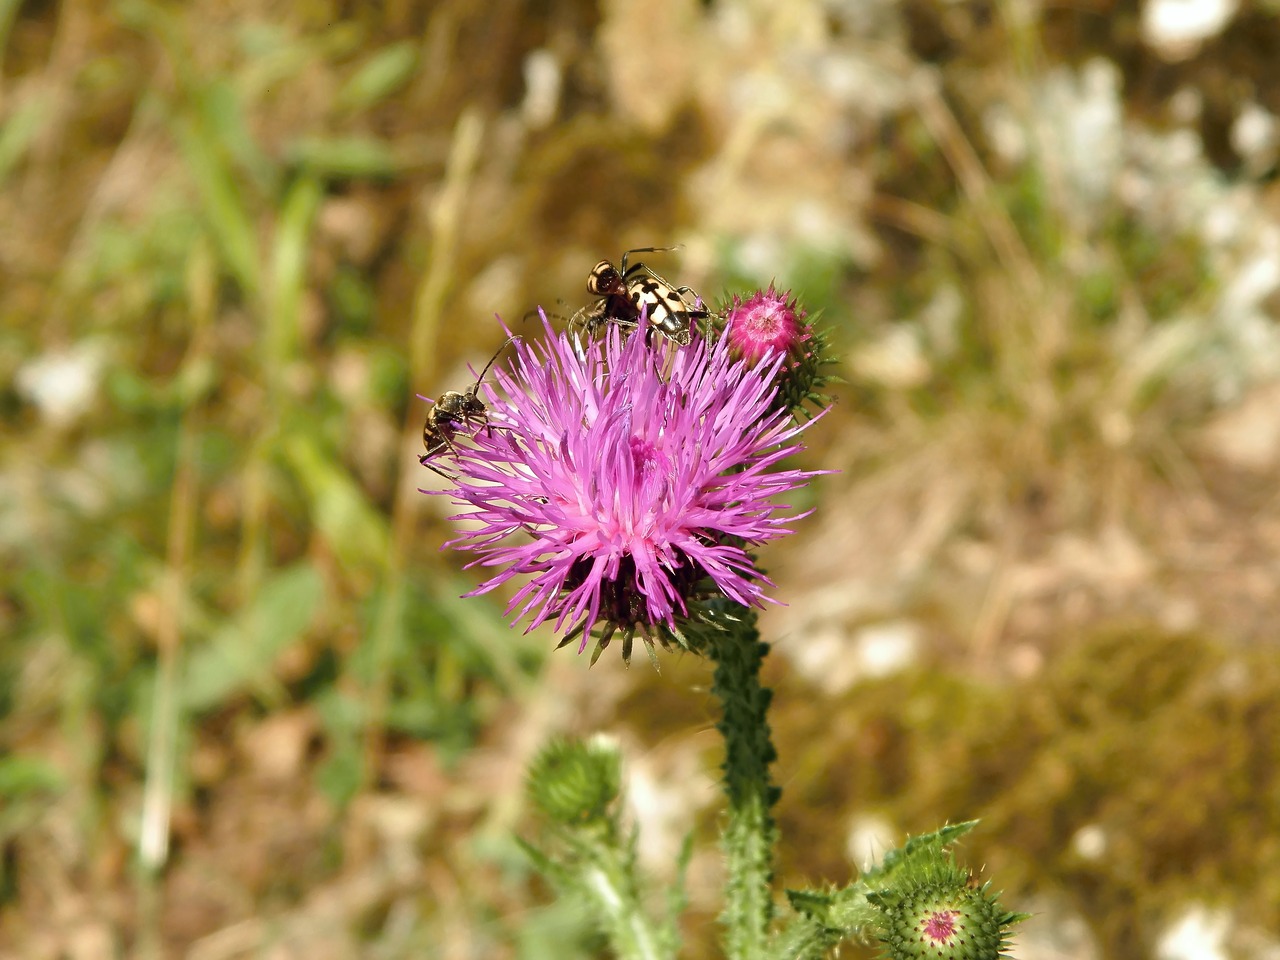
{"x":811,"y":903}
{"x":917,"y":848}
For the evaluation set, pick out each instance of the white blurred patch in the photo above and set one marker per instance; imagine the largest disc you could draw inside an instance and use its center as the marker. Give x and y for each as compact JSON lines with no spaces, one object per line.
{"x":1093,"y":129}
{"x":868,"y":838}
{"x":349,"y":374}
{"x":651,"y":53}
{"x":1025,"y":661}
{"x":62,"y":384}
{"x":397,"y":823}
{"x":1006,"y":134}
{"x":1176,"y":28}
{"x":1180,"y":614}
{"x":884,"y":649}
{"x":665,"y":790}
{"x":1078,"y":129}
{"x":1089,"y":842}
{"x":861,"y":83}
{"x":1256,"y":278}
{"x":818,"y":224}
{"x":1073,"y":130}
{"x":543,"y":79}
{"x":758,"y":254}
{"x":730,"y":25}
{"x":940,"y":320}
{"x":834,"y":660}
{"x":822,"y":657}
{"x":1186,"y":106}
{"x":896,"y":359}
{"x":1054,"y":931}
{"x":1255,"y":136}
{"x":1199,"y":934}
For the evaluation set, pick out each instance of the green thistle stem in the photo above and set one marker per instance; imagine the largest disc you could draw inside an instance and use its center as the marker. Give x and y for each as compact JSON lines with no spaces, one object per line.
{"x":629,"y":931}
{"x":750,"y":832}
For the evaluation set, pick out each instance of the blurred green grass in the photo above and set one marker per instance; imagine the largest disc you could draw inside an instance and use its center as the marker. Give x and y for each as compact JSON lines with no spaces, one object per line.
{"x":236,"y":677}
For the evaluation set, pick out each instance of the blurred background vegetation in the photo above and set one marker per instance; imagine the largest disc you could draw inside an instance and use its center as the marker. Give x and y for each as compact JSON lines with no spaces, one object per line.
{"x":243,"y":711}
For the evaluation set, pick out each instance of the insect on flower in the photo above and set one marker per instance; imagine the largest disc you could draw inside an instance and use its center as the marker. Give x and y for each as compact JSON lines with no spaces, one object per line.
{"x":643,"y":475}
{"x":631,"y":291}
{"x":453,"y":412}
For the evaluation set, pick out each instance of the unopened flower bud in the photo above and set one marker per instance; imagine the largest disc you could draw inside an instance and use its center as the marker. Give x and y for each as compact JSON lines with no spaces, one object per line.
{"x":768,"y":324}
{"x":573,"y":782}
{"x":945,"y":921}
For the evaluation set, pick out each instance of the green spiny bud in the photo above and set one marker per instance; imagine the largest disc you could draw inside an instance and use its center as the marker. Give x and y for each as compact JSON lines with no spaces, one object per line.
{"x":573,"y":782}
{"x":944,"y":920}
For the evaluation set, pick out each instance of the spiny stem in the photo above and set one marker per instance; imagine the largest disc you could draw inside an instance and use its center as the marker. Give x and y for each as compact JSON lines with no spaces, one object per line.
{"x":630,"y":932}
{"x":750,"y":832}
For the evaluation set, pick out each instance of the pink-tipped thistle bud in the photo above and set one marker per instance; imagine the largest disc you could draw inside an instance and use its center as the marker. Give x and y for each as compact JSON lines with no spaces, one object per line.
{"x":944,"y":920}
{"x":768,"y":324}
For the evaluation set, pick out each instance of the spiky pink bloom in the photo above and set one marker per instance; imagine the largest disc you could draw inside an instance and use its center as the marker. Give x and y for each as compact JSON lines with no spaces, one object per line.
{"x":939,"y":927}
{"x":622,"y":477}
{"x":766,"y":324}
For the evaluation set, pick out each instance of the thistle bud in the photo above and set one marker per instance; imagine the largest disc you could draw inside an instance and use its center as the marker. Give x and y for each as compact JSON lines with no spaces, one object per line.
{"x":769,"y":323}
{"x":573,"y":782}
{"x":943,"y":920}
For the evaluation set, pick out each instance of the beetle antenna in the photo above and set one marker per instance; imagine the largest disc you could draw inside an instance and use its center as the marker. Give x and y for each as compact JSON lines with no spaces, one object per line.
{"x":506,"y":343}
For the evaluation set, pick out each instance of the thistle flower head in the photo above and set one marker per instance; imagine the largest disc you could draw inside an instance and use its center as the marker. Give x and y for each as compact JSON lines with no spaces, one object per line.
{"x":769,"y":325}
{"x":938,"y":914}
{"x":626,"y":479}
{"x":947,"y":923}
{"x":575,"y":782}
{"x":765,"y":325}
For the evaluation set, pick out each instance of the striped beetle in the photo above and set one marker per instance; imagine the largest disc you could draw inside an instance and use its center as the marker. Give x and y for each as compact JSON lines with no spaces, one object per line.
{"x":453,"y":412}
{"x":628,"y":291}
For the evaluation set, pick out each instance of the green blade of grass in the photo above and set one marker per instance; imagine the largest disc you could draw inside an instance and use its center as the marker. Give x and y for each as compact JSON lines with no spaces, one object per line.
{"x":239,"y":656}
{"x":228,"y":219}
{"x":344,"y":157}
{"x":289,"y":272}
{"x":21,"y":130}
{"x":381,"y":75}
{"x":351,"y":525}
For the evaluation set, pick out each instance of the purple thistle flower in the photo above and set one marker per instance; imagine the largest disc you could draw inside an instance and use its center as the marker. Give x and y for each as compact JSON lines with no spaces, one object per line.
{"x":634,"y":476}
